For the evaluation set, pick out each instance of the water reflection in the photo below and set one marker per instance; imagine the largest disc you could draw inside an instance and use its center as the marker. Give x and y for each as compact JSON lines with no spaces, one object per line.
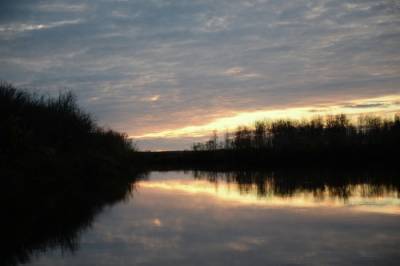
{"x":214,"y":218}
{"x":362,"y":193}
{"x":41,"y":217}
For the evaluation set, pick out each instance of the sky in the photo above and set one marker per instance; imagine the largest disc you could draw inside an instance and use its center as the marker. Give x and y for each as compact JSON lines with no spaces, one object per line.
{"x":169,"y":72}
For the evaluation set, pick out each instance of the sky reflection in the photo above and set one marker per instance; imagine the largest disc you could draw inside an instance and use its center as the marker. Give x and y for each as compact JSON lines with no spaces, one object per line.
{"x":361,"y":197}
{"x":178,"y":218}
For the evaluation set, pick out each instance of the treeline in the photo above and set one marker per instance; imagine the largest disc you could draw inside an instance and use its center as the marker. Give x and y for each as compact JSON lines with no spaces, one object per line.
{"x":329,"y":133}
{"x":58,"y":170}
{"x":40,"y":133}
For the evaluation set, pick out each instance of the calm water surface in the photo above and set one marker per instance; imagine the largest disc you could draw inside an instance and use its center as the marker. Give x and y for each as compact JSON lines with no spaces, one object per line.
{"x":195,"y":218}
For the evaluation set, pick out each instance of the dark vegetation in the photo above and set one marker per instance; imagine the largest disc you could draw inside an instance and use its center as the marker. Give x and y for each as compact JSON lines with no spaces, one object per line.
{"x":58,"y":170}
{"x":40,"y":133}
{"x":334,"y":133}
{"x":333,"y":140}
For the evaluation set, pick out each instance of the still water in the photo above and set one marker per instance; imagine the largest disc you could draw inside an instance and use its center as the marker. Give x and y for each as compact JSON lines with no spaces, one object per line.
{"x":247,"y":218}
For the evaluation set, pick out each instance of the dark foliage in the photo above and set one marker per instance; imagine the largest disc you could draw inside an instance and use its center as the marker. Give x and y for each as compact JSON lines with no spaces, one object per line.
{"x":39,"y":132}
{"x":287,"y":141}
{"x":58,"y":170}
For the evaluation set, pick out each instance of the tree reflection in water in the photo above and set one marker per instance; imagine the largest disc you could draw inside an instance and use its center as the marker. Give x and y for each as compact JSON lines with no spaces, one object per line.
{"x":284,"y":183}
{"x":37,"y":219}
{"x":40,"y":216}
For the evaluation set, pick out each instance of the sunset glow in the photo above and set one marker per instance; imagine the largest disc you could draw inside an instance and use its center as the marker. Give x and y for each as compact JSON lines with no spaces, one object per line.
{"x":163,"y":70}
{"x":382,"y":106}
{"x":200,"y":132}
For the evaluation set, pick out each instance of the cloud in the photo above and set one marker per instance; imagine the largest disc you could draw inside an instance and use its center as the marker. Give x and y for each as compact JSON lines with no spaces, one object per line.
{"x":234,"y":71}
{"x":240,"y":73}
{"x":215,"y":23}
{"x":153,"y":98}
{"x":29,"y":27}
{"x":368,"y":105}
{"x":156,"y":222}
{"x":62,"y":7}
{"x":204,"y":59}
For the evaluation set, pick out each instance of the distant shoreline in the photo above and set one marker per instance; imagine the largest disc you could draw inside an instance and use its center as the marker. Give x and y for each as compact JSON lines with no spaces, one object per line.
{"x":232,"y":160}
